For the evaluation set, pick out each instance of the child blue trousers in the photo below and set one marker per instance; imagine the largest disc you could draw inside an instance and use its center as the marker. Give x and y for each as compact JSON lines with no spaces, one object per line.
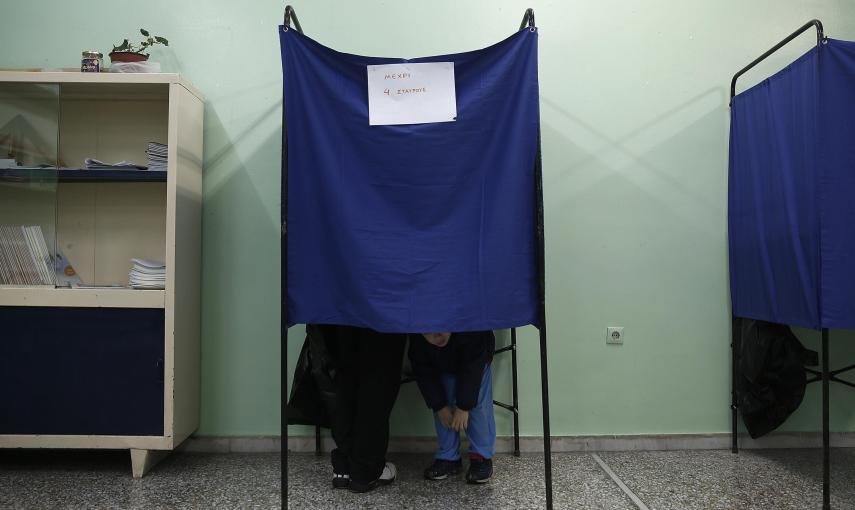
{"x":481,"y":430}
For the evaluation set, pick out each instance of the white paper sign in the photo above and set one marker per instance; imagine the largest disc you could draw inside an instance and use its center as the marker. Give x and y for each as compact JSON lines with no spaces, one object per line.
{"x":411,"y":93}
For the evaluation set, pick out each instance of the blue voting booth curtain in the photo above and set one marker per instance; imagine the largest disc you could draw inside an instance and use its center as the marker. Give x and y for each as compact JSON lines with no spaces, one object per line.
{"x":419,"y":227}
{"x":791,"y":213}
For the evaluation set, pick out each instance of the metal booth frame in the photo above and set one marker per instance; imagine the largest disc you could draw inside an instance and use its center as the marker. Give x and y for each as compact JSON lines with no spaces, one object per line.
{"x":825,"y":375}
{"x":290,"y":20}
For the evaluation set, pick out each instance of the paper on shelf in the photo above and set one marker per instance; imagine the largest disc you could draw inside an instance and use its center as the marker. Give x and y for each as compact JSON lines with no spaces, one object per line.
{"x":24,"y":257}
{"x":147,"y":274}
{"x":94,"y":164}
{"x":149,"y":263}
{"x":157,"y":156}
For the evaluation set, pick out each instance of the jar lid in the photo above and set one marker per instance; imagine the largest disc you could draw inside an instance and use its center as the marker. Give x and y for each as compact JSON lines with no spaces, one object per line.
{"x":93,"y":54}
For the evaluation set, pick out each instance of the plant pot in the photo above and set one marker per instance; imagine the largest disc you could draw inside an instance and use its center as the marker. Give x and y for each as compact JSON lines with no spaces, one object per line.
{"x":127,"y":56}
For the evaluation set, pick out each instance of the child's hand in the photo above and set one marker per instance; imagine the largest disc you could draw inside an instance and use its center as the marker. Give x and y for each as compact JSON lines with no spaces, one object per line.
{"x":460,"y":420}
{"x":445,"y":417}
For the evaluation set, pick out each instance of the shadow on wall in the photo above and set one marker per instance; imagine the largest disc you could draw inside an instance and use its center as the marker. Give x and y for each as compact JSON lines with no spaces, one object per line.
{"x":240,"y":352}
{"x":667,"y":159}
{"x":658,"y":193}
{"x":627,"y":152}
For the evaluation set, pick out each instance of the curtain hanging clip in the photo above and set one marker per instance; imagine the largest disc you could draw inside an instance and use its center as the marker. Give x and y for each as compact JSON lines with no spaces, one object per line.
{"x":291,"y":15}
{"x":528,"y":20}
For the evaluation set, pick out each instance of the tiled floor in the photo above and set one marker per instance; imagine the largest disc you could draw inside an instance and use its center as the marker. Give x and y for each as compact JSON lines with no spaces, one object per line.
{"x":754,"y":479}
{"x":685,"y":480}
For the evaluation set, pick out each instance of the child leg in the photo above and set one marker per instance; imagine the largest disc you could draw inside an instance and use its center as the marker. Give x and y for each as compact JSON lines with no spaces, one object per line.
{"x":449,"y":440}
{"x":482,"y":424}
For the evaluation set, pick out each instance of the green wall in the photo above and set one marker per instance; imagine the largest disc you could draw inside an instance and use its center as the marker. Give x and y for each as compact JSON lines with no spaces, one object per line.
{"x":634,"y":110}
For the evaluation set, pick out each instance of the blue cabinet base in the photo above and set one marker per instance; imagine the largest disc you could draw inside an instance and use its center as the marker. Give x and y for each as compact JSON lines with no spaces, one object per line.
{"x":81,"y":371}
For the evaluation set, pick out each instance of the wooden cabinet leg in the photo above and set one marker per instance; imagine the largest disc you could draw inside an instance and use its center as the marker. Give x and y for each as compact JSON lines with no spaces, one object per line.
{"x":143,"y":460}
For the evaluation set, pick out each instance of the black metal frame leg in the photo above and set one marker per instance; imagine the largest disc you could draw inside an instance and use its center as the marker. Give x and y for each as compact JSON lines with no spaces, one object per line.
{"x":283,"y":341}
{"x":515,"y":392}
{"x":826,"y":459}
{"x":734,"y":403}
{"x":541,"y":266}
{"x":547,"y":438}
{"x":290,"y":16}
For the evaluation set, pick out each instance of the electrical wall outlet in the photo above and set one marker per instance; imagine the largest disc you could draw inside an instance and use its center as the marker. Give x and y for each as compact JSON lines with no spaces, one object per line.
{"x":614,"y":335}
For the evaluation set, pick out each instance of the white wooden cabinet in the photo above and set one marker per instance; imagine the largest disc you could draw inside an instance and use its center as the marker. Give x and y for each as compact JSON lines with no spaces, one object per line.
{"x":102,"y":367}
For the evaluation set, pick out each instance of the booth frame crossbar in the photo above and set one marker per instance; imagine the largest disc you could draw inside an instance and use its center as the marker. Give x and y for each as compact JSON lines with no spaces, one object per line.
{"x":825,"y":375}
{"x":527,"y":21}
{"x":820,"y":36}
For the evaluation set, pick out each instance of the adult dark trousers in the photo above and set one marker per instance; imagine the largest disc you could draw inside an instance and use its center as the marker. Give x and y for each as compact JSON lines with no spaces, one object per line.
{"x":367,"y":379}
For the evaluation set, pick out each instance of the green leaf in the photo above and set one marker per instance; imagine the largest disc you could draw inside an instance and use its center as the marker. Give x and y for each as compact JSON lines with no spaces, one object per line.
{"x":144,"y":32}
{"x":161,"y":40}
{"x":122,"y":47}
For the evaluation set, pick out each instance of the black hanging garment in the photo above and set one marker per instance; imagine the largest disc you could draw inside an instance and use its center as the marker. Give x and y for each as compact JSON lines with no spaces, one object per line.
{"x":312,"y":398}
{"x":771,"y":376}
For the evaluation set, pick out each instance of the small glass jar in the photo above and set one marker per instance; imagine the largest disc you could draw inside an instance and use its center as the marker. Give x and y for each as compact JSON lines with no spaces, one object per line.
{"x":91,"y":62}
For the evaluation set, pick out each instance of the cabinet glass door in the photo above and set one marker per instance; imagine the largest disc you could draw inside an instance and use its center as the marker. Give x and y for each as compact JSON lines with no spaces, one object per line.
{"x":29,"y":133}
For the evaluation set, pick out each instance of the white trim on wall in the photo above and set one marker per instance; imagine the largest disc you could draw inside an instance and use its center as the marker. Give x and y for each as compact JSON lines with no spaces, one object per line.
{"x":531,"y":444}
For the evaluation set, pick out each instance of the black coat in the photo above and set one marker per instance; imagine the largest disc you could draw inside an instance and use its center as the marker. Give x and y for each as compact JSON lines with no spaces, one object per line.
{"x":465,"y":356}
{"x":770,"y":373}
{"x":313,"y":393}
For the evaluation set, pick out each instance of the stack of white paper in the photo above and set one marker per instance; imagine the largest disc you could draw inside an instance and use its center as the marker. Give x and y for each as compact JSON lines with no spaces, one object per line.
{"x":157,"y":156}
{"x":135,"y":67}
{"x":94,"y":164}
{"x":147,"y":274}
{"x":24,"y":256}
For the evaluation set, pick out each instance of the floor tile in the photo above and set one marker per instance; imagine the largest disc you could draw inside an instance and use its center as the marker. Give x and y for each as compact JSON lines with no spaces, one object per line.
{"x":718,"y":479}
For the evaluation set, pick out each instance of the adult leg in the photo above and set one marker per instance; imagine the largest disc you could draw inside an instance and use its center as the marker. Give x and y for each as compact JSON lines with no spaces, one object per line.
{"x":380,"y":357}
{"x":342,"y":346}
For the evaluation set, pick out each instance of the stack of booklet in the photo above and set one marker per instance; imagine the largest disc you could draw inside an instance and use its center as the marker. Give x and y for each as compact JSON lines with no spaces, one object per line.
{"x":156,"y":156}
{"x":148,"y":274}
{"x":95,"y":164}
{"x":24,"y":256}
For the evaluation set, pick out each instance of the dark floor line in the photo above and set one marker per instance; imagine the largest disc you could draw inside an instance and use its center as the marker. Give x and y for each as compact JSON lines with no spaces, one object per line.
{"x":616,"y":479}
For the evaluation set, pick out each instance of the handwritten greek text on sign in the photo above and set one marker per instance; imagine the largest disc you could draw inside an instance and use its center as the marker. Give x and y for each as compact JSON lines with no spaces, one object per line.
{"x":411,"y":93}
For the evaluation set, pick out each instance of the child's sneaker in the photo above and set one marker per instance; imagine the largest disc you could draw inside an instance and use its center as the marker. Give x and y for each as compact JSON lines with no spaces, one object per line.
{"x":480,"y":471}
{"x":442,"y":469}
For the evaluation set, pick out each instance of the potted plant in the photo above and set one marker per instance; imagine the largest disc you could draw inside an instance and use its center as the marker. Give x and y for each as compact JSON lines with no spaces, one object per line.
{"x":128,"y":52}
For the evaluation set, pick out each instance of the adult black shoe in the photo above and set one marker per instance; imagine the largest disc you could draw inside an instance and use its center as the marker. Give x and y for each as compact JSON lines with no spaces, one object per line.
{"x":340,"y":481}
{"x":442,"y":469}
{"x":480,"y":471}
{"x":362,"y":487}
{"x":389,"y":474}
